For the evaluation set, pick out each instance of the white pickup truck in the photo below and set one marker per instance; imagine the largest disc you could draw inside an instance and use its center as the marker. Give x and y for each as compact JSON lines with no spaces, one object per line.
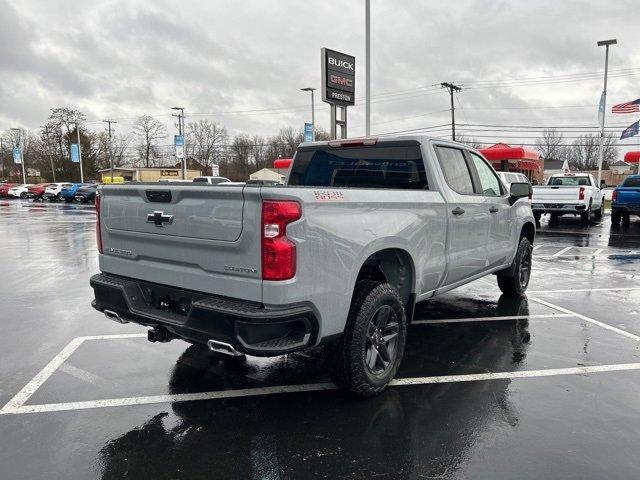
{"x":568,"y":193}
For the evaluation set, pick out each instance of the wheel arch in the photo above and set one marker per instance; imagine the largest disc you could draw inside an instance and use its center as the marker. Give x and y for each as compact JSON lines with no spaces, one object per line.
{"x":394,"y":266}
{"x":528,"y":231}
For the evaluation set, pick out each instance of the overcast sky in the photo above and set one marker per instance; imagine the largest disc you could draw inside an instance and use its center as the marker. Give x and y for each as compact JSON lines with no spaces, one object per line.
{"x":242,"y":63}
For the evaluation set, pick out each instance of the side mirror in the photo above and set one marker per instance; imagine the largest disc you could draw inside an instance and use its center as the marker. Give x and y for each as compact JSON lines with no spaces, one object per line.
{"x":520,"y":190}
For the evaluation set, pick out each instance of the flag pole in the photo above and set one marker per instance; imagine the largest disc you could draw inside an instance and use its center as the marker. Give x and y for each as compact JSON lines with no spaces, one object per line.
{"x":603,"y":104}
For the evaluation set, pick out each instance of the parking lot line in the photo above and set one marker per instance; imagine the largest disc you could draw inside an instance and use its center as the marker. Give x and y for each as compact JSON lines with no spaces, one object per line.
{"x":587,"y":319}
{"x":569,"y":290}
{"x":310,"y":387}
{"x":561,"y":252}
{"x":36,"y":382}
{"x":489,"y":319}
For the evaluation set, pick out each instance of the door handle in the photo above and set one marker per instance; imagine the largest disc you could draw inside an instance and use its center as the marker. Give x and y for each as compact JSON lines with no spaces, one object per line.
{"x":457,"y":211}
{"x":493,"y":210}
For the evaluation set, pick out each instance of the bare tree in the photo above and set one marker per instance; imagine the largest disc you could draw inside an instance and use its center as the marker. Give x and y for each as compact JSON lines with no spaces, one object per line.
{"x":472,"y":142}
{"x":148,"y":131}
{"x":206,"y":141}
{"x":550,"y":145}
{"x":584,"y":152}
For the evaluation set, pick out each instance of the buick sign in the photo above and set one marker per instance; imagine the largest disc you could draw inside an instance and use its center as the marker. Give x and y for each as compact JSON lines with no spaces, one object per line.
{"x":338,"y":77}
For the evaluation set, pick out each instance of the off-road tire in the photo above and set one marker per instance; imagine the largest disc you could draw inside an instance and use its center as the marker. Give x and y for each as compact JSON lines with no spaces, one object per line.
{"x":553,"y":218}
{"x":347,"y":357}
{"x":513,"y":281}
{"x":615,"y":219}
{"x":585,"y":218}
{"x":626,"y":219}
{"x":537,"y":216}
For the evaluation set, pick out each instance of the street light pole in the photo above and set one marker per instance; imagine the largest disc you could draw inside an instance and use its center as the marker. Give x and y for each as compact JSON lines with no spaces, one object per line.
{"x":184,"y":143}
{"x":79,"y":152}
{"x":24,"y":175}
{"x":313,"y":113}
{"x":603,"y":103}
{"x":367,"y":71}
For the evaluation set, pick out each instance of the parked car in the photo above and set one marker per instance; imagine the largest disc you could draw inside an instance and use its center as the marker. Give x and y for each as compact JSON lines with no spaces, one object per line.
{"x":625,"y":201}
{"x":568,"y":194}
{"x":19,"y":191}
{"x":52,"y":192}
{"x":211,"y":180}
{"x":86,"y":193}
{"x":37,"y":191}
{"x":338,"y":256}
{"x":512,"y":177}
{"x":68,"y":194}
{"x":4,"y":189}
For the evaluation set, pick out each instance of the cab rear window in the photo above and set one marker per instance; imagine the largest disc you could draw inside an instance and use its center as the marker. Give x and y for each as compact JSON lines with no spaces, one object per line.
{"x":380,"y":166}
{"x":632,"y":182}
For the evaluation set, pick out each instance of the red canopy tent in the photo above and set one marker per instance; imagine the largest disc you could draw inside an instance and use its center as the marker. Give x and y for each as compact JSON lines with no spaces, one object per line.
{"x":282,"y":163}
{"x":632,"y":157}
{"x":506,"y":158}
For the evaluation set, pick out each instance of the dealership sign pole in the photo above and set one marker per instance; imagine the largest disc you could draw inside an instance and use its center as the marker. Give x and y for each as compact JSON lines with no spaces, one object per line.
{"x":338,"y":87}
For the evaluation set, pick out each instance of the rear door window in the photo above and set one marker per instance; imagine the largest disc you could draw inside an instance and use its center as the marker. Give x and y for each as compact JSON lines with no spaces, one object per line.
{"x":380,"y":166}
{"x":455,"y":169}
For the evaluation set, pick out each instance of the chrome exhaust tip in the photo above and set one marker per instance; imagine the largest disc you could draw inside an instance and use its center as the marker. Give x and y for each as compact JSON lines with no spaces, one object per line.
{"x":222,"y":347}
{"x":111,"y":315}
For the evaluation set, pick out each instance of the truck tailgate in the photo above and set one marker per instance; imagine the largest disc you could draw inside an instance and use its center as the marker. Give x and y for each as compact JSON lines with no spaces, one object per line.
{"x":555,"y":194}
{"x":197,"y":237}
{"x":628,"y":195}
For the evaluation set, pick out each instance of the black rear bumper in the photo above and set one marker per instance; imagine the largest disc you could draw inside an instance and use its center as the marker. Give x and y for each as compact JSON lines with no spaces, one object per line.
{"x":249,"y":327}
{"x":632,"y":209}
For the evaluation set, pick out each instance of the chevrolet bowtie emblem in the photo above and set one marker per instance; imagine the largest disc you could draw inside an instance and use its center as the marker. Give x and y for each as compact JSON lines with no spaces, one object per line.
{"x":159,"y":218}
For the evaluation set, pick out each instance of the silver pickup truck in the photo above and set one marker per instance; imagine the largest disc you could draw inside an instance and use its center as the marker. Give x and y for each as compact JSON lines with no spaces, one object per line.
{"x":338,"y":256}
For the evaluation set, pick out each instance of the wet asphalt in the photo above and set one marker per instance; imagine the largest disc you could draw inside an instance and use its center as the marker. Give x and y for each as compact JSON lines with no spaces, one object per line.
{"x":539,"y":425}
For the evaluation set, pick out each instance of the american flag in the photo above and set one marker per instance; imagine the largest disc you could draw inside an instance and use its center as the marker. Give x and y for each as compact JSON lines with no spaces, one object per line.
{"x":629,"y":107}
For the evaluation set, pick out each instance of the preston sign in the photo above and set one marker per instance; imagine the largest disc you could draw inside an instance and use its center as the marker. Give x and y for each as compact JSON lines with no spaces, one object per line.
{"x":338,"y":77}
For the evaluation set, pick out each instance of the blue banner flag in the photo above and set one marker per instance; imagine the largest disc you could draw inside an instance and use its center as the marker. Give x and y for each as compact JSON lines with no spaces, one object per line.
{"x":308,"y":132}
{"x":17,"y":155}
{"x":75,"y":153}
{"x":631,"y":130}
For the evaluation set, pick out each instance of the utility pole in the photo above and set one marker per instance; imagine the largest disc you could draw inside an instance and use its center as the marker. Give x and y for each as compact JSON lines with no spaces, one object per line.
{"x":109,"y":122}
{"x":46,"y":137}
{"x":184,"y":143}
{"x":452,"y":88}
{"x":79,"y":152}
{"x":367,"y":71}
{"x":2,"y":157}
{"x":603,"y":103}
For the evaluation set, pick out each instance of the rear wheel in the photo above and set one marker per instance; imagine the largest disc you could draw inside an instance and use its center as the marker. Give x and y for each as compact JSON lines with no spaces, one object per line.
{"x":515,"y":279}
{"x":585,"y":217}
{"x":537,"y":216}
{"x":615,"y":218}
{"x":23,"y":195}
{"x":553,"y":218}
{"x":368,"y":354}
{"x":598,"y":214}
{"x":626,"y":220}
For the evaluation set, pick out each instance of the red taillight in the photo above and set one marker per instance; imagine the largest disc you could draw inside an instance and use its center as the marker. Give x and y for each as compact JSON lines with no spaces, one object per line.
{"x":614,"y":196}
{"x":581,"y":194}
{"x":278,"y":252}
{"x":98,"y":232}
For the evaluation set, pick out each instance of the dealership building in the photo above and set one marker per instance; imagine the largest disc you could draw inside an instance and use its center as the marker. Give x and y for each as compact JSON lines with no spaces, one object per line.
{"x":147,"y":174}
{"x":506,"y":158}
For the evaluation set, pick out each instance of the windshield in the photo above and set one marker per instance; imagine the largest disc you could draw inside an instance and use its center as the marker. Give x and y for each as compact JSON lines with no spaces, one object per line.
{"x":569,"y":181}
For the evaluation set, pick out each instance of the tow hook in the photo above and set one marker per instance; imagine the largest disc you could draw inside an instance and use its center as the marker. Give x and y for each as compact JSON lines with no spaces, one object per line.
{"x":159,"y":334}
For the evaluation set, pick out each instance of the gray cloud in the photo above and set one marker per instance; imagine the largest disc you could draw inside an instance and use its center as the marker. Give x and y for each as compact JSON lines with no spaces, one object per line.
{"x":127,"y":58}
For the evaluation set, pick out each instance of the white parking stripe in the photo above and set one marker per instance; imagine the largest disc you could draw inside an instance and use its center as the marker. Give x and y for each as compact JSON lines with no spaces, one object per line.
{"x":598,"y":251}
{"x":561,"y":252}
{"x":587,"y":319}
{"x":36,"y":382}
{"x":489,"y":319}
{"x":569,"y":290}
{"x":312,"y":387}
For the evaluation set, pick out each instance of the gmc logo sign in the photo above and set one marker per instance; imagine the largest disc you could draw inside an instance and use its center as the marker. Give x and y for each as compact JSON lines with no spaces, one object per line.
{"x":347,"y":82}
